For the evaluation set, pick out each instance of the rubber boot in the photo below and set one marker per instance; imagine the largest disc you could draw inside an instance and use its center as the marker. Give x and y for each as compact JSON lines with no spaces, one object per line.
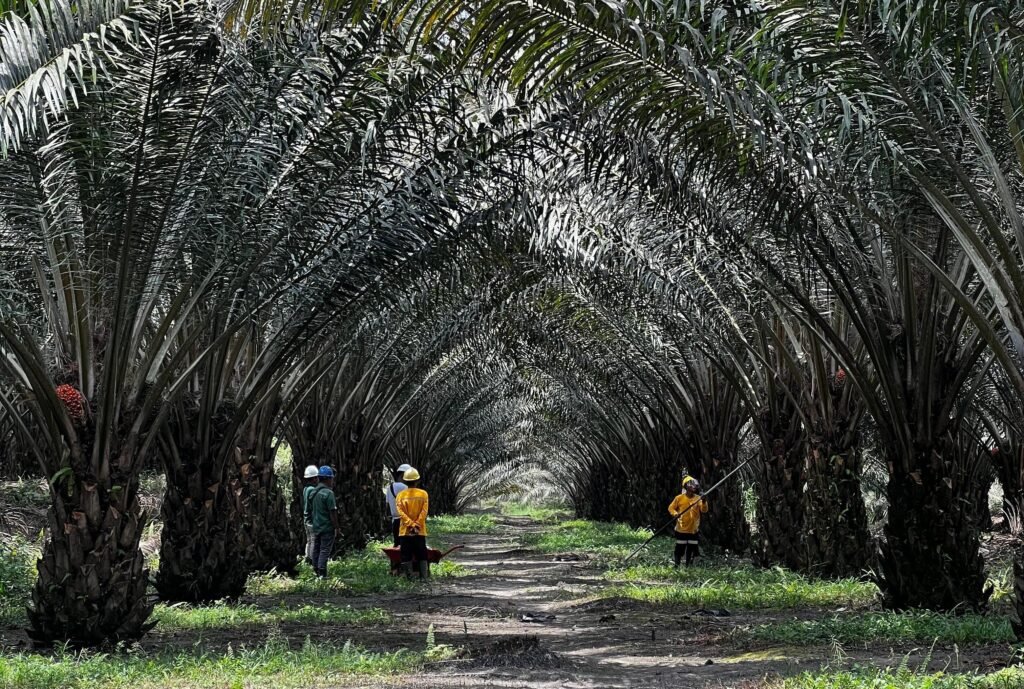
{"x":406,"y":569}
{"x":424,"y":567}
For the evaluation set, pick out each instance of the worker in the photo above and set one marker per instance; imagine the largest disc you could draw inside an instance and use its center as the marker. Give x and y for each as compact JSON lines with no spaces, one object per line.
{"x":413,"y":504}
{"x":687,"y":508}
{"x":391,"y":494}
{"x":323,"y":510}
{"x":309,"y":479}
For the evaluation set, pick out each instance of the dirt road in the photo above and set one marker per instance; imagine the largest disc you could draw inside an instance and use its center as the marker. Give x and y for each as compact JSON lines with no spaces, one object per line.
{"x":529,"y":620}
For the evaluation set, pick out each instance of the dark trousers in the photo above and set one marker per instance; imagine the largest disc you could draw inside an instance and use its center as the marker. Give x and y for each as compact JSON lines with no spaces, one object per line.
{"x":323,"y":545}
{"x":414,"y":548}
{"x":688,"y":546}
{"x":395,"y":523}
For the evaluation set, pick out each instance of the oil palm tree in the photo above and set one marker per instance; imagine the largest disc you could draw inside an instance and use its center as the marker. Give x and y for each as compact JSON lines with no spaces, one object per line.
{"x":101,"y":292}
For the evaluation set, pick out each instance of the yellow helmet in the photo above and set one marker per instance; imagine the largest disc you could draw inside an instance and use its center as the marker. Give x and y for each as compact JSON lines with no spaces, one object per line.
{"x":687,"y":479}
{"x":411,"y":475}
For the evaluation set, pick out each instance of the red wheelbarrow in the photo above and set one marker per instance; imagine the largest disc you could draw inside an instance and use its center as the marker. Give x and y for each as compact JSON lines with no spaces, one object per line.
{"x":433,"y":555}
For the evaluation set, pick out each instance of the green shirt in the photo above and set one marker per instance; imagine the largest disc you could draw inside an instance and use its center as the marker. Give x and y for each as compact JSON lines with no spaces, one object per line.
{"x":306,"y":515}
{"x":321,"y":504}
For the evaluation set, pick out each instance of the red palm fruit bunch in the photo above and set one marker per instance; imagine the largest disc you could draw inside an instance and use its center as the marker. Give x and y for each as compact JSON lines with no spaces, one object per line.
{"x":840,"y":377}
{"x":73,"y":400}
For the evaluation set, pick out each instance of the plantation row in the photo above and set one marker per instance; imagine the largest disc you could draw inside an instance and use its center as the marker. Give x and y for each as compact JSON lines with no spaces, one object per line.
{"x":613,"y":243}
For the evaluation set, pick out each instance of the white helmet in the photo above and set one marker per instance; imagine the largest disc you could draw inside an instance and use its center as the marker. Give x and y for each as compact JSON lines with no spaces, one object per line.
{"x":311,"y":471}
{"x":403,"y":468}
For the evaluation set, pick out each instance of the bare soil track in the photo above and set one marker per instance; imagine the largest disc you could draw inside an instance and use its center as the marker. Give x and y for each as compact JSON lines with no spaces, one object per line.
{"x":572,"y":639}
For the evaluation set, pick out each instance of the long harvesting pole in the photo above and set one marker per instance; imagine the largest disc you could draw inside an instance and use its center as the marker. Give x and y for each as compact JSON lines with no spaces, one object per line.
{"x":702,"y":495}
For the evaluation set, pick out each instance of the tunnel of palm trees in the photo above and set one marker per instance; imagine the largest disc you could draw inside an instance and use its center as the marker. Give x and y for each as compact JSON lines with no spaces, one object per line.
{"x":606,"y":243}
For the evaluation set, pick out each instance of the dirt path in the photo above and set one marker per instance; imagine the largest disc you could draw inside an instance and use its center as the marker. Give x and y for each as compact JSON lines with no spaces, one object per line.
{"x":575,"y":642}
{"x":578,"y":641}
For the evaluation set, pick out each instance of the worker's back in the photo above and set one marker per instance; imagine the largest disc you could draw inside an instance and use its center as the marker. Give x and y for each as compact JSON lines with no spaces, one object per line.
{"x":413,"y":505}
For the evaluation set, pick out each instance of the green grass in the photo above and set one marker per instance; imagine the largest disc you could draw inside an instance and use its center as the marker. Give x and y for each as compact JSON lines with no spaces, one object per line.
{"x":1010,"y":678}
{"x":744,"y":586}
{"x":222,"y":616}
{"x":922,"y":627}
{"x":461,"y":524}
{"x":273,"y":664}
{"x":537,"y":513}
{"x":359,"y":573}
{"x":601,"y":539}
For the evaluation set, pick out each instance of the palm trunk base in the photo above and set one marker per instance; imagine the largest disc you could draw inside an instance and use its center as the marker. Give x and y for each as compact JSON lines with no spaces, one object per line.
{"x":725,"y":524}
{"x":265,"y":521}
{"x":92,"y":578}
{"x":201,"y":548}
{"x":780,"y":511}
{"x":838,"y":543}
{"x":931,"y":558}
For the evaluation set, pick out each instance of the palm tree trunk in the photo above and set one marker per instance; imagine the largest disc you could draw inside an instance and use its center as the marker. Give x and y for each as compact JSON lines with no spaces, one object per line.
{"x":92,"y":577}
{"x":201,"y":548}
{"x":265,"y":515}
{"x":780,"y":493}
{"x":363,"y":516}
{"x":984,"y":510}
{"x":931,"y":556}
{"x":725,"y":525}
{"x":838,"y":544}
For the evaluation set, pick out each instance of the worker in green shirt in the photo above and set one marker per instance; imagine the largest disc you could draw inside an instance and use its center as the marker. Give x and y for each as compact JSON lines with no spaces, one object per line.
{"x":323,"y":511}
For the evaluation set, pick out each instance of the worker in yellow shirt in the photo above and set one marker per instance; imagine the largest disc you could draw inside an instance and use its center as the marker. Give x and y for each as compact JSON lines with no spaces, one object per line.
{"x":687,"y":508}
{"x":413,"y":503}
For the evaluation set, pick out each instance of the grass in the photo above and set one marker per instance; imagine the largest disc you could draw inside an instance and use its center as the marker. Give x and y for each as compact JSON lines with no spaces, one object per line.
{"x":273,"y":664}
{"x":461,"y":524}
{"x":538,"y":513}
{"x":359,"y":573}
{"x":221,"y":616}
{"x":744,"y":586}
{"x":600,"y":539}
{"x":1010,"y":678}
{"x":922,"y":627}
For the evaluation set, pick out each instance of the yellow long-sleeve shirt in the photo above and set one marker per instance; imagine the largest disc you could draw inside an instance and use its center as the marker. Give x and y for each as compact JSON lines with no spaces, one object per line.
{"x":413,"y":505}
{"x":690,"y":521}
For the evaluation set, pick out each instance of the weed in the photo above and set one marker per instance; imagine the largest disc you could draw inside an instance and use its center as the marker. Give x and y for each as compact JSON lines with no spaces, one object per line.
{"x":30,"y":493}
{"x":1000,"y":578}
{"x":462,"y":523}
{"x":750,"y":503}
{"x":17,"y":574}
{"x":734,"y":586}
{"x":921,"y":627}
{"x":222,"y":615}
{"x":358,"y":573}
{"x":602,"y":539}
{"x":537,"y":513}
{"x":273,"y":664}
{"x":903,"y":678}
